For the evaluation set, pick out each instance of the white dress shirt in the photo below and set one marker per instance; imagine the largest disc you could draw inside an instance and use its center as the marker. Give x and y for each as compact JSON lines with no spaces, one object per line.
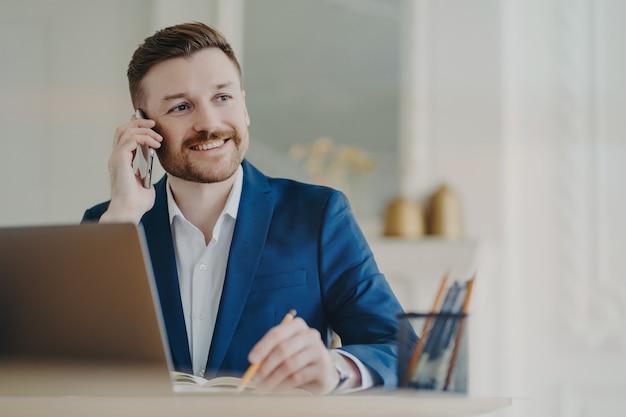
{"x":201,"y":271}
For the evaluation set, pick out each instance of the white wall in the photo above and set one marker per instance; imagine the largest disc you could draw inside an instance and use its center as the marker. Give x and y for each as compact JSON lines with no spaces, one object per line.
{"x":63,"y":89}
{"x":565,"y":147}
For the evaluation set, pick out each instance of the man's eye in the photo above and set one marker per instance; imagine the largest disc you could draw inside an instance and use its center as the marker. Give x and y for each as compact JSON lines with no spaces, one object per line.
{"x":223,"y":97}
{"x":180,"y":107}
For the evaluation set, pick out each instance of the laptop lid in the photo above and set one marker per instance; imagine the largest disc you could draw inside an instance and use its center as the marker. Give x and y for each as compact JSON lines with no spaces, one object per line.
{"x":79,"y":294}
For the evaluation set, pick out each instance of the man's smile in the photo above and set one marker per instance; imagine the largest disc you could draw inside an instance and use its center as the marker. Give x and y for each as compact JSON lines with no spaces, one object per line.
{"x":209,"y":145}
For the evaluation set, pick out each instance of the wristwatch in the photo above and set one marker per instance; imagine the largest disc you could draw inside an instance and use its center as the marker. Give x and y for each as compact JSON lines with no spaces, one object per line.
{"x":342,"y":368}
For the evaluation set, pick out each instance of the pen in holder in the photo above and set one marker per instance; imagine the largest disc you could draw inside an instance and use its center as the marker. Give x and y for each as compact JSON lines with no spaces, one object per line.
{"x":432,"y":351}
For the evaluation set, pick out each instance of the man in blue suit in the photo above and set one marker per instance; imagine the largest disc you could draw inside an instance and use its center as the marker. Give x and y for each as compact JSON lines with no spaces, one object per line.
{"x":234,"y":250}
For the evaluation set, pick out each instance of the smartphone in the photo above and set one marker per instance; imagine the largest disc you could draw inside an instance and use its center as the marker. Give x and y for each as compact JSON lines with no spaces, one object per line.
{"x":144,"y":158}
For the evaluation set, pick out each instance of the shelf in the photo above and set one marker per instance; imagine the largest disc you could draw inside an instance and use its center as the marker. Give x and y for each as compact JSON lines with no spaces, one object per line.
{"x":414,"y":267}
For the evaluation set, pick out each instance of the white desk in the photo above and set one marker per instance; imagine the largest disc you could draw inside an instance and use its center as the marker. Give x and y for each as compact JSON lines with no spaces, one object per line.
{"x":41,"y":390}
{"x":396,"y":404}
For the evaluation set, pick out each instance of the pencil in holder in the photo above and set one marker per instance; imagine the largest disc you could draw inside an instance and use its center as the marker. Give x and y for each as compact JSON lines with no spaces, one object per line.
{"x":432,"y":351}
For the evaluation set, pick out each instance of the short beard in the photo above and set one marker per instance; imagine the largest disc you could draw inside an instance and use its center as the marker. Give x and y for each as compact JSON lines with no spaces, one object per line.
{"x":178,"y":164}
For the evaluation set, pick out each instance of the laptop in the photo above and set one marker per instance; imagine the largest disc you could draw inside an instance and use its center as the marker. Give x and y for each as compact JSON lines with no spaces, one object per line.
{"x":79,"y":312}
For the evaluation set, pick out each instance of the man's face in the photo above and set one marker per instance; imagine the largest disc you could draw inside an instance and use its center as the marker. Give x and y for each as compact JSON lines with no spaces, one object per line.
{"x":200,"y":110}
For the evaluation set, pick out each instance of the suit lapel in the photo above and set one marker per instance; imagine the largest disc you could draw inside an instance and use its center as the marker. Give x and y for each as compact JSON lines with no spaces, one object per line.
{"x":159,"y":236}
{"x":253,"y":221}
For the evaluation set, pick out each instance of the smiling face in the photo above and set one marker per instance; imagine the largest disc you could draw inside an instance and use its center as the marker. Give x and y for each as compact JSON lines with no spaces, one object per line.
{"x":200,"y":110}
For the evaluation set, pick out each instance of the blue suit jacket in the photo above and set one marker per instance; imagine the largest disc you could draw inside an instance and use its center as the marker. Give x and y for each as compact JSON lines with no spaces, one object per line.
{"x":294,"y":246}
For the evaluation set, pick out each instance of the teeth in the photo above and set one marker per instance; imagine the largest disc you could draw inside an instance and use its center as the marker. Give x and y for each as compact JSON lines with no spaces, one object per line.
{"x":210,"y":145}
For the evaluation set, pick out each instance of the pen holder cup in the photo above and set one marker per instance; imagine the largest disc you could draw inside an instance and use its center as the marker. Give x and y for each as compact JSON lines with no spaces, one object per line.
{"x":432,"y":351}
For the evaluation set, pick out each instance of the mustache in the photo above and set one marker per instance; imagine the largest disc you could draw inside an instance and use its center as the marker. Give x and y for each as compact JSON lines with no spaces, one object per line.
{"x":204,"y":136}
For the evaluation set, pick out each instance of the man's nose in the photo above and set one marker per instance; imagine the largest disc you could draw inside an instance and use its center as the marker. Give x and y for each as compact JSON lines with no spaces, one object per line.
{"x":206,"y":118}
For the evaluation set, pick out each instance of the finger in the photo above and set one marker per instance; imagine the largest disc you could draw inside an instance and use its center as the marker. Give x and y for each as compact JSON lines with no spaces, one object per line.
{"x":136,"y":123}
{"x":297,"y":369}
{"x":290,"y":356}
{"x":302,"y":378}
{"x":283,"y":351}
{"x":147,"y":137}
{"x":274,"y":337}
{"x":149,"y":123}
{"x":130,"y":138}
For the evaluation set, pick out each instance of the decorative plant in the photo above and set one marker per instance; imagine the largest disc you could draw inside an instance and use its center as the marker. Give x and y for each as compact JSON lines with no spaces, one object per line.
{"x":333,"y":165}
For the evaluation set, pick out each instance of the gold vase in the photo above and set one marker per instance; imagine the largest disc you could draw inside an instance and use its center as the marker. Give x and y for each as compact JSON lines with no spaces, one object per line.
{"x":404,"y":218}
{"x":444,"y":212}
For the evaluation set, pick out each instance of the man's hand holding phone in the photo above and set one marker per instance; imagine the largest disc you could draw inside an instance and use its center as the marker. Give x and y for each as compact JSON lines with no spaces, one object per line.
{"x":130,"y":198}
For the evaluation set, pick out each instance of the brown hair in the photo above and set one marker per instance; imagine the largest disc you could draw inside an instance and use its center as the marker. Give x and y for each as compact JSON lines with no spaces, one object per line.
{"x":176,"y":41}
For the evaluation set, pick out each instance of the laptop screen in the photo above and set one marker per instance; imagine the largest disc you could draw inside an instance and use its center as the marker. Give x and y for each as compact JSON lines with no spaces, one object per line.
{"x":78,"y":293}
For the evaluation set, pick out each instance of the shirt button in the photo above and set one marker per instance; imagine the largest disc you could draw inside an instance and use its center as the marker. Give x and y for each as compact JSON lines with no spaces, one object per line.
{"x":202,"y":267}
{"x":201,"y":316}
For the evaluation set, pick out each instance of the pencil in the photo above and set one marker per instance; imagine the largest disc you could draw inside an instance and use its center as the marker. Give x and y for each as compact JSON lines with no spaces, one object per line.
{"x":417,"y":352}
{"x":254,"y":367}
{"x":459,"y":333}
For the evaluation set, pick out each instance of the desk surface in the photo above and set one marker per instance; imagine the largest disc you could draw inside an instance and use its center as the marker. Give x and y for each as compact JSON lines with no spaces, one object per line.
{"x":396,"y":404}
{"x":44,"y":390}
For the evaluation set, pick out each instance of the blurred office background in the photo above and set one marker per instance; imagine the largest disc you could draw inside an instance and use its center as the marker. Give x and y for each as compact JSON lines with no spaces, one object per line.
{"x":517,"y":105}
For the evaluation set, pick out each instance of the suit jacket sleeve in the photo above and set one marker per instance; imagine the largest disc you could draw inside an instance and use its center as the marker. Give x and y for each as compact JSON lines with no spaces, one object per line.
{"x":359,"y":303}
{"x":93,"y":214}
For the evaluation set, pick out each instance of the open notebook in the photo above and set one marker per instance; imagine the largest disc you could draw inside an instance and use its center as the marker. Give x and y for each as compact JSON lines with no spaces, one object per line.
{"x":77,"y":309}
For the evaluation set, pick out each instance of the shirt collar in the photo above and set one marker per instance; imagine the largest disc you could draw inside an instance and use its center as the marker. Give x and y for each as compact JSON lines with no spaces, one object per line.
{"x":232,"y":203}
